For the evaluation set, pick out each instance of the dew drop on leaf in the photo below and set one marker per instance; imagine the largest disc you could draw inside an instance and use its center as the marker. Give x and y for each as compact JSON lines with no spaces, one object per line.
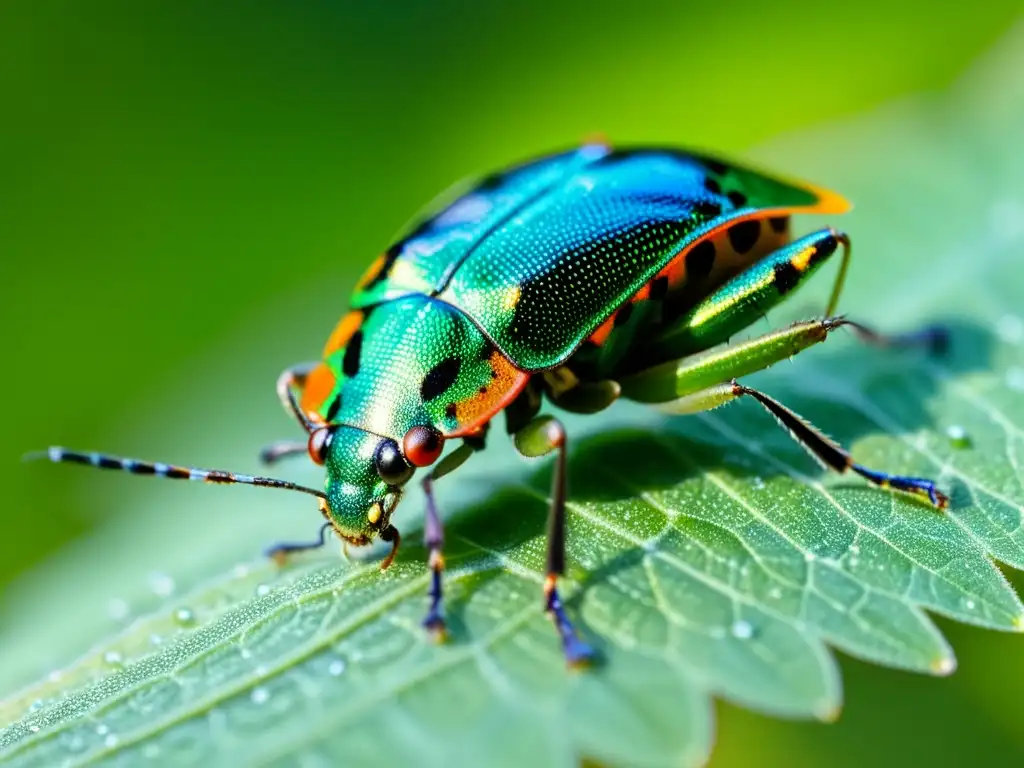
{"x":113,"y":659}
{"x":161,"y":584}
{"x":110,"y":742}
{"x":259,"y":695}
{"x":262,"y":590}
{"x":184,"y":617}
{"x":117,"y":609}
{"x":102,"y":729}
{"x":336,"y":667}
{"x":742,"y":630}
{"x":958,"y":437}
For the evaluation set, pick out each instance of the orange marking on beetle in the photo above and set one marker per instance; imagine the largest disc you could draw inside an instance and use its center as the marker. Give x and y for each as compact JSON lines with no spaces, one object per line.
{"x":317,"y":388}
{"x":476,"y":410}
{"x":371,"y":272}
{"x":602,"y":332}
{"x":343,"y":332}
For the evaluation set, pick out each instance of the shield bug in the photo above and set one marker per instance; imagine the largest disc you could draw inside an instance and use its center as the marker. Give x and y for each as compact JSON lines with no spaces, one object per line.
{"x":574,"y":279}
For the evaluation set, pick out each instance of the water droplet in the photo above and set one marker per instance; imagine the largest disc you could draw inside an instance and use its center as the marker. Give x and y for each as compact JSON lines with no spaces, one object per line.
{"x":110,"y":742}
{"x":161,"y":584}
{"x":1015,"y":378}
{"x":34,"y":728}
{"x":117,"y":609}
{"x":184,"y":617}
{"x":37,"y":705}
{"x":113,"y":659}
{"x":336,"y":667}
{"x":742,"y":630}
{"x":262,"y":590}
{"x":240,"y":571}
{"x":55,"y":676}
{"x":246,"y":653}
{"x":156,"y":639}
{"x":1010,"y":329}
{"x":102,"y":729}
{"x":958,"y":436}
{"x":259,"y":695}
{"x":969,"y":605}
{"x":774,"y":593}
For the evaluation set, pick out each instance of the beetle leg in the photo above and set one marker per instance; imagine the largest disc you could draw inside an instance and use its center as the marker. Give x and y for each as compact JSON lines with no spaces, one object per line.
{"x":283,"y":449}
{"x":828,"y":453}
{"x":542,"y":436}
{"x":291,"y":379}
{"x":433,"y":537}
{"x":279,"y":552}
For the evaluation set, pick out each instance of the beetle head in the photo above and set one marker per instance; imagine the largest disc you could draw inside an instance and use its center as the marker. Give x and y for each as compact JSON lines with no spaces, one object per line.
{"x":366,"y":473}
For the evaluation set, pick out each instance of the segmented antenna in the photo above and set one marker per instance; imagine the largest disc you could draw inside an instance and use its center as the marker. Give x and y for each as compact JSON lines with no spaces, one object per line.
{"x":136,"y":467}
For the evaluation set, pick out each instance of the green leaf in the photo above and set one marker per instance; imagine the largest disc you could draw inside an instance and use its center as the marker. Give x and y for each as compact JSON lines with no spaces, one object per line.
{"x":709,"y":557}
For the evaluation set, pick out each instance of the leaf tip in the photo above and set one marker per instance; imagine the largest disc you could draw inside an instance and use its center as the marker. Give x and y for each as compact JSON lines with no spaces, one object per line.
{"x":943,"y":665}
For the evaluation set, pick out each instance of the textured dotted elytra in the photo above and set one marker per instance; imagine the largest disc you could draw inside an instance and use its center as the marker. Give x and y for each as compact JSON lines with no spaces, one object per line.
{"x":743,"y":236}
{"x":353,"y":351}
{"x":700,"y":260}
{"x":440,"y":378}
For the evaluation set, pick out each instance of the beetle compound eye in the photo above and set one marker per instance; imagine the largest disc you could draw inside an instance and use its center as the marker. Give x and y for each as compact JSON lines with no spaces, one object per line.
{"x":422,"y":446}
{"x":320,"y":443}
{"x":391,"y":465}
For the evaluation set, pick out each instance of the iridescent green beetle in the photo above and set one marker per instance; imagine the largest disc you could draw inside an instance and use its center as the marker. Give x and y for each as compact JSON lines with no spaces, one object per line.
{"x":578,"y":278}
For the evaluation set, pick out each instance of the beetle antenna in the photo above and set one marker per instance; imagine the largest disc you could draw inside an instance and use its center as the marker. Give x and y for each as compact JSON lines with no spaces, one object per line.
{"x":136,"y":467}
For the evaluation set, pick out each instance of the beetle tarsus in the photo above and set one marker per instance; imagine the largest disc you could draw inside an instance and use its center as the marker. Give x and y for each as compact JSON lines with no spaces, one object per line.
{"x":578,"y":654}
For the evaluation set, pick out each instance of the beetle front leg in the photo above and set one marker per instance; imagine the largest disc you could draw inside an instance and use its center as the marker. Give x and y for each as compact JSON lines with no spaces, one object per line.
{"x":542,"y":436}
{"x":433,"y":538}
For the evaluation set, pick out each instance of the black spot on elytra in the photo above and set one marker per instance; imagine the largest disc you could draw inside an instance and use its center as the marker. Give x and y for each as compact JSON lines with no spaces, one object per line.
{"x":390,"y":257}
{"x":440,"y":378}
{"x":715,"y":166}
{"x":778,"y":224}
{"x":744,"y":235}
{"x":450,"y":411}
{"x":333,"y":408}
{"x":491,"y":182}
{"x":700,"y":260}
{"x":482,"y":390}
{"x":712,"y":186}
{"x":824,"y":248}
{"x":737,"y":198}
{"x":786,"y":277}
{"x":353,"y":351}
{"x":623,"y":315}
{"x":706,"y":209}
{"x":659,"y":287}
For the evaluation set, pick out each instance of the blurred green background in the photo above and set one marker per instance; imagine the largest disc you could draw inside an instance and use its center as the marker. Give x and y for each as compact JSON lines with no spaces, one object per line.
{"x":173,"y":174}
